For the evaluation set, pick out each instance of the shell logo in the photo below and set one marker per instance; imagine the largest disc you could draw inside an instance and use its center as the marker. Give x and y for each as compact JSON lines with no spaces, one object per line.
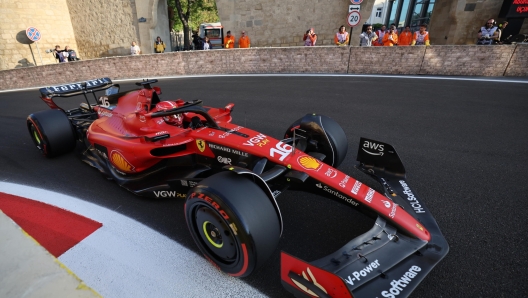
{"x":120,"y":162}
{"x":309,"y":163}
{"x":419,"y":226}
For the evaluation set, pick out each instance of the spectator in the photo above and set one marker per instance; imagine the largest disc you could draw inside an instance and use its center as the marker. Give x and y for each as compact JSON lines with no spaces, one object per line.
{"x":393,"y":26}
{"x":57,"y":53}
{"x":421,"y":37}
{"x":134,"y":49}
{"x":367,"y":38}
{"x":488,"y":33}
{"x":65,"y":54}
{"x":405,"y":38}
{"x":390,"y":38}
{"x":501,"y":28}
{"x":230,"y":41}
{"x":207,"y":44}
{"x":72,"y":56}
{"x":159,"y":45}
{"x":310,"y":38}
{"x":243,"y":41}
{"x":197,"y":41}
{"x":380,"y":33}
{"x":341,"y":38}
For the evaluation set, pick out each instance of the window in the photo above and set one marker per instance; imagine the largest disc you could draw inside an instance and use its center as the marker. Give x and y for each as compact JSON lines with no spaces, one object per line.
{"x":392,"y":18}
{"x":212,"y":33}
{"x":403,"y":14}
{"x":378,"y":13}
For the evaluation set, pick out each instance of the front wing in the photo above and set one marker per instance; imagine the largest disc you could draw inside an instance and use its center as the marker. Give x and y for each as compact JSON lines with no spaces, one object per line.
{"x":383,"y":262}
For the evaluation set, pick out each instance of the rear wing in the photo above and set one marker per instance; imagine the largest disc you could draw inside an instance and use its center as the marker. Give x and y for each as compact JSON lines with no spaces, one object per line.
{"x":73,"y":89}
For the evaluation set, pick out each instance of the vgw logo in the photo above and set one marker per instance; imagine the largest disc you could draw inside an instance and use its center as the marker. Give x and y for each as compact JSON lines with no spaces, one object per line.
{"x":169,"y":194}
{"x":372,"y":146}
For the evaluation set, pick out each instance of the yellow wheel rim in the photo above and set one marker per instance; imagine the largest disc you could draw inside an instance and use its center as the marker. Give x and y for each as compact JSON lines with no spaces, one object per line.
{"x":206,"y":233}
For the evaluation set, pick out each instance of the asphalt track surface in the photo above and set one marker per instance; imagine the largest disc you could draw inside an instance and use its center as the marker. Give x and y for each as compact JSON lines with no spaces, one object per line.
{"x":463,"y":144}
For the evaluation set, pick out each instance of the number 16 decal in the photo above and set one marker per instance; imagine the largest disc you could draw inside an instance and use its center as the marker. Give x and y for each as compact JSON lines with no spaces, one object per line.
{"x":281,"y":149}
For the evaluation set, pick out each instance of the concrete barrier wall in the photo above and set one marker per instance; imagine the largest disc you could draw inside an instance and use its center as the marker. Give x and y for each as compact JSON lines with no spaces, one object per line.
{"x":511,"y":60}
{"x":518,"y":65}
{"x":467,"y":60}
{"x":386,"y":60}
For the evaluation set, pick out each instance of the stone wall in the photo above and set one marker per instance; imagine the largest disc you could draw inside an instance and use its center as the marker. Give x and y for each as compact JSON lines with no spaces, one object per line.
{"x":518,"y":65}
{"x":282,"y":23}
{"x":50,"y":17}
{"x":104,"y":28}
{"x":468,"y":60}
{"x":107,"y":28}
{"x":433,"y":60}
{"x":386,"y":60}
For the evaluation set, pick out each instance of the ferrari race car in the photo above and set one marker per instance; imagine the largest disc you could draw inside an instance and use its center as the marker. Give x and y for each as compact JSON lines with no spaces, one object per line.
{"x":231,"y":177}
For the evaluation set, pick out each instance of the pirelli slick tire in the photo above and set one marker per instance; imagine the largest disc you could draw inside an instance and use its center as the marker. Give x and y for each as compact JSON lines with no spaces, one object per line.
{"x":233,"y":222}
{"x":52,"y":132}
{"x":324,"y":135}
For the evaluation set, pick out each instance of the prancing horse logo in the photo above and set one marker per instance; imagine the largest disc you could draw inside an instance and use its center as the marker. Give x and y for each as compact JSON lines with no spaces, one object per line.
{"x":201,"y":145}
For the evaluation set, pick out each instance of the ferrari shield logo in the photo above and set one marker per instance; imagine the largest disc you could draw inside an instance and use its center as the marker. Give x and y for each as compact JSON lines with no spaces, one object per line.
{"x":201,"y":145}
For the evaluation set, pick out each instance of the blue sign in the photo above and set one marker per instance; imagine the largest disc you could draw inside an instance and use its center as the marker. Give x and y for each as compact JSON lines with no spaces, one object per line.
{"x":33,"y":34}
{"x":356,"y":1}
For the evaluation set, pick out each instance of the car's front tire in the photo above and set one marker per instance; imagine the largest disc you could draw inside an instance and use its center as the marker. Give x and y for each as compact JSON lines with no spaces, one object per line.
{"x":233,"y":222}
{"x":323,"y":135}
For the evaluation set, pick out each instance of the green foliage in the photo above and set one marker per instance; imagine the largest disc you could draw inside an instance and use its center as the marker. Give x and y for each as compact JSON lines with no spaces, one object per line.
{"x":201,"y":11}
{"x":376,"y":26}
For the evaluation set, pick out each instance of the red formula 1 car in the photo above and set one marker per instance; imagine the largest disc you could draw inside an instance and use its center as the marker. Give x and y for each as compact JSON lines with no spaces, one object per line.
{"x":231,"y":177}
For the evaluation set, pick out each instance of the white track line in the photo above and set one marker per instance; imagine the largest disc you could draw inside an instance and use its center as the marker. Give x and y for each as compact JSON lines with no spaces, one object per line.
{"x":477,"y":79}
{"x":124,"y":258}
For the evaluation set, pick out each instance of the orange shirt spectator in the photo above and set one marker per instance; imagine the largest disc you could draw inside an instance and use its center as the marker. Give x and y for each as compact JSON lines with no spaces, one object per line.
{"x":243,"y":41}
{"x":421,"y":37}
{"x":390,"y":38}
{"x":405,"y":37}
{"x":380,"y":33}
{"x":229,"y":41}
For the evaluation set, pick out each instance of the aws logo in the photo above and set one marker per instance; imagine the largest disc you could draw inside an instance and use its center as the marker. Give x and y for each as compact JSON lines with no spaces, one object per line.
{"x":120,"y":162}
{"x":369,"y":146}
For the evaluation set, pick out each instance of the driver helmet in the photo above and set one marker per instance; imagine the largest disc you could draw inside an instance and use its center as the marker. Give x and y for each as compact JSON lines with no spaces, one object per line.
{"x":175,"y":119}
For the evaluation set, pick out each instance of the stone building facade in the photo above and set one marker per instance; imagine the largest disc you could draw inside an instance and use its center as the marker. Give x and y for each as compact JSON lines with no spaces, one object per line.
{"x":454,"y":23}
{"x":51,"y":17}
{"x":93,"y":28}
{"x":282,"y":23}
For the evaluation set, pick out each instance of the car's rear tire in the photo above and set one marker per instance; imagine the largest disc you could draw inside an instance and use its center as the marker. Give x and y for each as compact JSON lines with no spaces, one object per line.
{"x":233,"y":222}
{"x":52,"y":132}
{"x":330,"y":139}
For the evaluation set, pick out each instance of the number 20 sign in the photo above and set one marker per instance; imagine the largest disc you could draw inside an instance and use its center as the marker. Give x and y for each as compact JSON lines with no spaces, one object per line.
{"x":353,"y":18}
